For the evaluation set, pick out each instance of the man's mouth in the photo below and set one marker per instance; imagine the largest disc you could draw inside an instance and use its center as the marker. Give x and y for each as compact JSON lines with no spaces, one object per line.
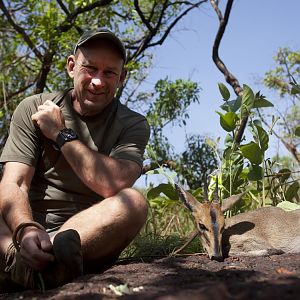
{"x":96,"y":93}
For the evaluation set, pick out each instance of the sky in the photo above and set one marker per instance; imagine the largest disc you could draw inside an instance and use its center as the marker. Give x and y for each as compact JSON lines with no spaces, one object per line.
{"x":255,"y":31}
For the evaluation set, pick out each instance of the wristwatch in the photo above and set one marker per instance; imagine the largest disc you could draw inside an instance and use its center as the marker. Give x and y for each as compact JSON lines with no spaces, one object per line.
{"x":65,"y":135}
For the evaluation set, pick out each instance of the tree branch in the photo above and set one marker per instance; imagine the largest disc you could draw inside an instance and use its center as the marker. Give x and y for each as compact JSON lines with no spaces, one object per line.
{"x":230,"y":78}
{"x":176,"y":21}
{"x":66,"y":11}
{"x":10,"y":96}
{"x":146,"y":42}
{"x":44,"y":71}
{"x":20,"y":30}
{"x":142,"y":16}
{"x":72,"y":16}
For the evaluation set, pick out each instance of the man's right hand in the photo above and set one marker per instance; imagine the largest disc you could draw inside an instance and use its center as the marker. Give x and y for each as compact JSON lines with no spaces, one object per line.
{"x":35,"y":248}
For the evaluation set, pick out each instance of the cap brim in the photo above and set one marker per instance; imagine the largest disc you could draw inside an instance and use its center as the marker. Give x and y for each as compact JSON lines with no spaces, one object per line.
{"x":105,"y":35}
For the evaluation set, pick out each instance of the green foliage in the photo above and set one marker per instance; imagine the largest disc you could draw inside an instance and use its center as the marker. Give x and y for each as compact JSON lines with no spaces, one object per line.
{"x":170,"y":106}
{"x":245,"y":164}
{"x":171,"y":101}
{"x":199,"y":158}
{"x":167,"y":216}
{"x":282,"y":183}
{"x":242,"y":162}
{"x":164,"y":188}
{"x":292,"y":192}
{"x":279,"y":79}
{"x":152,"y":245}
{"x":283,"y":79}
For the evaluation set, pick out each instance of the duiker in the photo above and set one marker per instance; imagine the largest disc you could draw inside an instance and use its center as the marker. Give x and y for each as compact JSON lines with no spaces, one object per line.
{"x":264,"y":231}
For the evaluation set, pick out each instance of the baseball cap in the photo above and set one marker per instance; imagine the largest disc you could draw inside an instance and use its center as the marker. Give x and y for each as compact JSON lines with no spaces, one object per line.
{"x":101,"y":33}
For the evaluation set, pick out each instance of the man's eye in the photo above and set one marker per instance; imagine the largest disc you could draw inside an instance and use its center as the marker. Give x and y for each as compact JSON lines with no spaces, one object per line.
{"x":90,"y":68}
{"x":202,"y":227}
{"x":110,"y":73}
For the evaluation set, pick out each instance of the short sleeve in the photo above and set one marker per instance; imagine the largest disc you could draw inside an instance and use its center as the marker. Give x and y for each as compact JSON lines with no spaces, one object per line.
{"x":22,"y":144}
{"x":132,"y":142}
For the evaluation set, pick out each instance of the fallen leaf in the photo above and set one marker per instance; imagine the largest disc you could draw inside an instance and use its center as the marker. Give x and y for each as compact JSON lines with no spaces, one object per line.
{"x":284,"y":271}
{"x":120,"y":290}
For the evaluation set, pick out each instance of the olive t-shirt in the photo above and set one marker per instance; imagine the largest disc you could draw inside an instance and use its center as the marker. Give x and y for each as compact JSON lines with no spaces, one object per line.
{"x":117,"y":132}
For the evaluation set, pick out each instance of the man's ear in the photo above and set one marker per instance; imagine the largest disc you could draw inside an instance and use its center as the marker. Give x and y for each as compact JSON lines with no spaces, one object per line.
{"x":122,"y":77}
{"x":71,"y":65}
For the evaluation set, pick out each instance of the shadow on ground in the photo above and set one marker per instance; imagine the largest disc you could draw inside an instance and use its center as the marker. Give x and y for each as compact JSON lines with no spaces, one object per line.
{"x":188,"y":277}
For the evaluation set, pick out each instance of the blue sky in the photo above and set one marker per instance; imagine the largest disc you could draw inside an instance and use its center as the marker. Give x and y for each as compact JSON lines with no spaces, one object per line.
{"x":256,"y":29}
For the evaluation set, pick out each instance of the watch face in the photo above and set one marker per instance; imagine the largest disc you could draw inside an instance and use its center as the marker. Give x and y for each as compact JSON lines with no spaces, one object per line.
{"x":65,"y":135}
{"x":69,"y":133}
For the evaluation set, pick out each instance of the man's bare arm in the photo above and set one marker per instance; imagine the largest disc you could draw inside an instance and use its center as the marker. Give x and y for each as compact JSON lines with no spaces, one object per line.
{"x":104,"y":175}
{"x":15,"y":209}
{"x":14,"y":186}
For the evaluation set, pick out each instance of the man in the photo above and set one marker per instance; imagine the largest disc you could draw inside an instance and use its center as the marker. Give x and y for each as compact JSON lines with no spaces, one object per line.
{"x":70,"y":160}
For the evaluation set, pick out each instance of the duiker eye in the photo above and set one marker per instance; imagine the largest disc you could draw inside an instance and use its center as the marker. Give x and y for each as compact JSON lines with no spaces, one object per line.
{"x":202,"y":227}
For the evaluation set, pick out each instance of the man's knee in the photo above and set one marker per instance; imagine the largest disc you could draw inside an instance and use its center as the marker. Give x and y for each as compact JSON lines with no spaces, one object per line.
{"x":135,"y":200}
{"x":135,"y":203}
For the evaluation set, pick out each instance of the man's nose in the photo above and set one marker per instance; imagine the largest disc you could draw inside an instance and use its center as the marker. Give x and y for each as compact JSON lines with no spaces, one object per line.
{"x":96,"y":82}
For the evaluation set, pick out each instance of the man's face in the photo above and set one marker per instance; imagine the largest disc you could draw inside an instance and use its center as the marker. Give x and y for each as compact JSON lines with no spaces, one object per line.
{"x":97,"y":72}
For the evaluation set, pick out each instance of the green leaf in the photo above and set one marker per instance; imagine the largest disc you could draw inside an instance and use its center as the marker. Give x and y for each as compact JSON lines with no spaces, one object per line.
{"x":286,"y":173}
{"x":245,"y":112}
{"x":224,"y":91}
{"x":228,"y":121}
{"x":233,"y":105}
{"x":227,"y":153}
{"x":255,"y":173}
{"x":288,"y":206}
{"x":292,"y":191}
{"x":263,"y":138}
{"x":253,"y":152}
{"x":228,"y":140}
{"x":244,"y":174}
{"x":164,"y":188}
{"x":261,"y":102}
{"x":295,"y":89}
{"x":248,"y":97}
{"x":297,"y":131}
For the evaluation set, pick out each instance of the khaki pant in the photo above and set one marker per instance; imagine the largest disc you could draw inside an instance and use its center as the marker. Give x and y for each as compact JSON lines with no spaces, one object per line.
{"x":6,"y":283}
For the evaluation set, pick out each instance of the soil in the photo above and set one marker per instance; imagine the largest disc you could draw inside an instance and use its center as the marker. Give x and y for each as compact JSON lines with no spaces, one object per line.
{"x":185,"y":277}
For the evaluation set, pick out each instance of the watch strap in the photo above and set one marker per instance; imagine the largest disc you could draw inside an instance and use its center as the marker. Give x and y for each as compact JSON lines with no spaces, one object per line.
{"x":65,"y":135}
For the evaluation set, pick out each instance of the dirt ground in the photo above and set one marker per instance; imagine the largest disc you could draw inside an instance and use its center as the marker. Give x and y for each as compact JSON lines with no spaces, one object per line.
{"x":185,"y":277}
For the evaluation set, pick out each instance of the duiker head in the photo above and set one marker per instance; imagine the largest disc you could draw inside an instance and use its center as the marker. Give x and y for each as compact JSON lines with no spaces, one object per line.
{"x":209,"y":219}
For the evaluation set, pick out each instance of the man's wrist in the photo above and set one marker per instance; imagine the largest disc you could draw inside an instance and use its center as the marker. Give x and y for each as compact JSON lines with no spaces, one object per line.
{"x":65,"y":135}
{"x":19,"y":232}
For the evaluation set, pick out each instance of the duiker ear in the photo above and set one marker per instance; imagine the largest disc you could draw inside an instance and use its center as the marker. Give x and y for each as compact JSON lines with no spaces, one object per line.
{"x":230,"y":201}
{"x":188,"y":200}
